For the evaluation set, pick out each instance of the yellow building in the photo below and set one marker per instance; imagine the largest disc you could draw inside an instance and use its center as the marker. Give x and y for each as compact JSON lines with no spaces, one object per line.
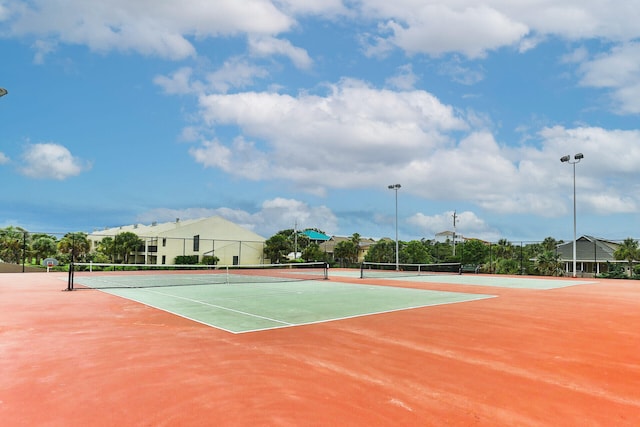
{"x":212,"y":236}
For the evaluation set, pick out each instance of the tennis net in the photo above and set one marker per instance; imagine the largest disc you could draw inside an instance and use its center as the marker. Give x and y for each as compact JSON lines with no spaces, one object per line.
{"x":383,"y":269}
{"x":109,"y":276}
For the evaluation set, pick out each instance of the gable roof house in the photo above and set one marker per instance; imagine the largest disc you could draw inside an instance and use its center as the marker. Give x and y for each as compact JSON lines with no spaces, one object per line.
{"x":592,"y":255}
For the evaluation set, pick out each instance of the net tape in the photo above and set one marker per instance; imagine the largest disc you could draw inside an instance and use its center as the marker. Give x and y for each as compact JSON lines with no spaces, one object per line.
{"x":109,"y":276}
{"x":383,"y":269}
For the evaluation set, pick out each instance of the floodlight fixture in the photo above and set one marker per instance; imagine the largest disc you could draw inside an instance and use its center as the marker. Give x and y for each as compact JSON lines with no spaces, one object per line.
{"x":3,"y":91}
{"x":576,"y":159}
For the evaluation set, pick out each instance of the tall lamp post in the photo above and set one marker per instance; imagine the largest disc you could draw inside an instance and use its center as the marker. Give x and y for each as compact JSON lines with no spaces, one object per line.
{"x":396,"y":187}
{"x":576,"y":159}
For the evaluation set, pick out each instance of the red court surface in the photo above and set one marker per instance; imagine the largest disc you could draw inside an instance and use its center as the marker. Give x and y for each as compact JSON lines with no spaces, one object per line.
{"x":562,"y":357}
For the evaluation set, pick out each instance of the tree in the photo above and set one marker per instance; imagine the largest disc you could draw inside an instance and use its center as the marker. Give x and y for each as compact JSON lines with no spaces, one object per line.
{"x":125,"y":243}
{"x":507,"y":266}
{"x":12,"y":240}
{"x":355,"y":239}
{"x":629,"y":251}
{"x":75,"y":245}
{"x":415,"y":252}
{"x":549,"y":244}
{"x":344,"y":251}
{"x":474,"y":252}
{"x":277,"y":247}
{"x":43,"y":246}
{"x":313,"y":253}
{"x":504,"y":249}
{"x":548,"y":263}
{"x":108,"y":248}
{"x":382,"y":251}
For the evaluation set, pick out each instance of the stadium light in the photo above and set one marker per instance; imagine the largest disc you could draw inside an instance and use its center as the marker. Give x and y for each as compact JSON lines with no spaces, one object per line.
{"x":576,"y":159}
{"x":396,"y":187}
{"x":3,"y":91}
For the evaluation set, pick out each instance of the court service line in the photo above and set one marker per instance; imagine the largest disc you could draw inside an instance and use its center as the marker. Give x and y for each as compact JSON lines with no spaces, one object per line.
{"x":224,"y":308}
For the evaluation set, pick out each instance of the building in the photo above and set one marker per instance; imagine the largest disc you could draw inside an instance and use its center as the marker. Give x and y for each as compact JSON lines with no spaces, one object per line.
{"x":592,"y":255}
{"x":213,"y":236}
{"x":329,"y":246}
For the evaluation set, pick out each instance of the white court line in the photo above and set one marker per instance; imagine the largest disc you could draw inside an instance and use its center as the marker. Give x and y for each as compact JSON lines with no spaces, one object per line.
{"x":223,"y":308}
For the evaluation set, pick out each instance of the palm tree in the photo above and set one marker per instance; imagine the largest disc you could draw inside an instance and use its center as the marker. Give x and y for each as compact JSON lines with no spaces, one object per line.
{"x":548,"y":263}
{"x":549,"y":244}
{"x":43,"y":246}
{"x":629,"y":251}
{"x":504,"y":249}
{"x":355,"y":239}
{"x":77,"y":245}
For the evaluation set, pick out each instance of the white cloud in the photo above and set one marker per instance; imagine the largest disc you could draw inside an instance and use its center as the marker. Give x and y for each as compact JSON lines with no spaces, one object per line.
{"x":150,"y":27}
{"x":3,"y":158}
{"x":314,"y":7}
{"x":274,"y":215}
{"x":179,"y":82}
{"x":618,"y":70}
{"x":270,"y":46}
{"x":468,"y":224}
{"x":343,"y":139}
{"x":405,"y":78}
{"x":236,"y":72}
{"x":241,"y":158}
{"x":438,"y":27}
{"x":355,"y":134}
{"x":464,"y":26}
{"x":51,"y":161}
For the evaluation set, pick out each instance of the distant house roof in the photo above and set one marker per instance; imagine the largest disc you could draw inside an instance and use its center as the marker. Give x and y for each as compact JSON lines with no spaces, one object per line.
{"x":588,"y":249}
{"x":315,"y":235}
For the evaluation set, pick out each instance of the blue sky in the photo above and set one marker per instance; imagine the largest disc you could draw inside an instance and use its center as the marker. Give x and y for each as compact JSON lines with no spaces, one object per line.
{"x":283,"y":113}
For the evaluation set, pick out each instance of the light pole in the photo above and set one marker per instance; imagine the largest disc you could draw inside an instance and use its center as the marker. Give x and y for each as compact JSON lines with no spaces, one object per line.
{"x":396,"y":187}
{"x":576,"y":159}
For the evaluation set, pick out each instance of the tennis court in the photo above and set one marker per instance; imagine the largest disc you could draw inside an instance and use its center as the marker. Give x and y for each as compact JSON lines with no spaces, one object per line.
{"x":516,"y":282}
{"x":444,"y":354}
{"x":250,"y":307}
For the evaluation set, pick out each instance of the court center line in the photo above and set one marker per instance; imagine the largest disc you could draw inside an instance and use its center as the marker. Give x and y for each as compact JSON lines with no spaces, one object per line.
{"x":224,"y":308}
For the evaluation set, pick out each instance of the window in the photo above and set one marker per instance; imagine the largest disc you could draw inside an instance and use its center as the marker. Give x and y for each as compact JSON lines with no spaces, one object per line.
{"x":196,"y":243}
{"x":164,"y":242}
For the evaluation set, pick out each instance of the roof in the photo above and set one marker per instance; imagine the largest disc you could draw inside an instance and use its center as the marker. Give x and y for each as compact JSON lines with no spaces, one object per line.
{"x":315,"y":235}
{"x":214,"y":227}
{"x":588,"y":249}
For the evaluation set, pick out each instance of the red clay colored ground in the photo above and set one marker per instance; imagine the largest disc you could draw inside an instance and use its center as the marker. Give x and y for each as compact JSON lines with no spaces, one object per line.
{"x":563,"y":357}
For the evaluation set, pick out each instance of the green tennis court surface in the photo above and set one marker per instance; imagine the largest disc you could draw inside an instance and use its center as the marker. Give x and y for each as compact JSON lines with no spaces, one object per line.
{"x":239,"y":308}
{"x":475,"y":279}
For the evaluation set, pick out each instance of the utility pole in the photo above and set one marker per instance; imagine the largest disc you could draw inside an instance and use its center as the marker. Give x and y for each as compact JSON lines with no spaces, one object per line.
{"x":454,"y":232}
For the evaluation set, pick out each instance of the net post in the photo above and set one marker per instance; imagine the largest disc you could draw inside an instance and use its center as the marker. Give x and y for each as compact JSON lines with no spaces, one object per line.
{"x":362,"y":270}
{"x":70,"y":279}
{"x":326,"y":271}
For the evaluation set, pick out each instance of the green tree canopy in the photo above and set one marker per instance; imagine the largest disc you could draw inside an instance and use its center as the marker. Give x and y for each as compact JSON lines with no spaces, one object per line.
{"x":76,"y":245}
{"x":43,"y":246}
{"x":313,"y":253}
{"x":12,"y":241}
{"x":382,"y":251}
{"x":415,"y":252}
{"x":125,"y":243}
{"x":277,"y":247}
{"x":628,"y":251}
